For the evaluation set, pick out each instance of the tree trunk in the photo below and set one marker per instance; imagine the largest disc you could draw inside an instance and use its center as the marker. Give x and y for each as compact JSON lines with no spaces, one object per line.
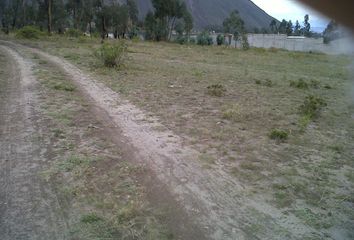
{"x":49,"y":6}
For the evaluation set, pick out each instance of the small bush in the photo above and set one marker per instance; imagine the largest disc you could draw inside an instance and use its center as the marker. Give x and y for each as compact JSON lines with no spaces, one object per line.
{"x":216,"y":90}
{"x":204,"y":39}
{"x":29,"y":32}
{"x":327,"y":86}
{"x":312,"y":106}
{"x":268,"y":83}
{"x":112,"y":55}
{"x":64,"y":87}
{"x":258,"y":82}
{"x":245,"y":43}
{"x":301,"y":84}
{"x":181,"y":40}
{"x":220,"y":39}
{"x":315,"y":84}
{"x":279,"y":135}
{"x":74,"y":33}
{"x":90,"y":218}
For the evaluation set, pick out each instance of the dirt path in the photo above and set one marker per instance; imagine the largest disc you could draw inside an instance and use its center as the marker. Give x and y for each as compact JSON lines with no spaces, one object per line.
{"x":28,"y":208}
{"x":213,"y":197}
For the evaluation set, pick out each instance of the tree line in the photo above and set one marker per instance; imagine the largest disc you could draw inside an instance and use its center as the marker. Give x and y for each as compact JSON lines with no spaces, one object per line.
{"x":96,"y":16}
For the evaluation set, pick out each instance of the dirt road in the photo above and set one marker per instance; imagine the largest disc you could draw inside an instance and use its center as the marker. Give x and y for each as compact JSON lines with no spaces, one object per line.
{"x":28,"y":207}
{"x":218,"y":202}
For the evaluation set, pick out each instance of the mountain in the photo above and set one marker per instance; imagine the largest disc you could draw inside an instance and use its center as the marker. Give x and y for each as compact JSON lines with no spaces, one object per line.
{"x":213,"y":12}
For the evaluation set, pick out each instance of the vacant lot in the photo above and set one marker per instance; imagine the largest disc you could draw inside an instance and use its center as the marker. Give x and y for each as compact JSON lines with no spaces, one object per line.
{"x":279,"y":122}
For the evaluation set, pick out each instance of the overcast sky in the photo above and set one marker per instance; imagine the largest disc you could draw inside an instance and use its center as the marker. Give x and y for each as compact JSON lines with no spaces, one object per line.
{"x":292,"y":10}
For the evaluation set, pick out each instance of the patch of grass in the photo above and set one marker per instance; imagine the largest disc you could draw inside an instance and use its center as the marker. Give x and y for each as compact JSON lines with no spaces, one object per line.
{"x":316,"y":220}
{"x":234,"y":113}
{"x":350,"y":176}
{"x":315,"y":84}
{"x":29,"y":32}
{"x":216,"y":90}
{"x":300,"y":83}
{"x":90,"y":218}
{"x":258,"y":82}
{"x":312,"y":106}
{"x":112,"y":55}
{"x":268,"y":83}
{"x":279,"y":135}
{"x":337,"y":148}
{"x":207,"y":158}
{"x":283,"y":199}
{"x":249,"y":166}
{"x":64,"y":87}
{"x":304,"y":121}
{"x":59,"y":133}
{"x":72,"y":162}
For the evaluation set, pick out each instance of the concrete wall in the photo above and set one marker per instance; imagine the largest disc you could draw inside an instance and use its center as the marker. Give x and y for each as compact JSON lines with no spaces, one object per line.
{"x":302,"y":44}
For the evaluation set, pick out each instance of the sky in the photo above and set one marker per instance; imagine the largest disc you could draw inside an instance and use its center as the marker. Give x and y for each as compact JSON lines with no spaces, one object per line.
{"x":293,"y":10}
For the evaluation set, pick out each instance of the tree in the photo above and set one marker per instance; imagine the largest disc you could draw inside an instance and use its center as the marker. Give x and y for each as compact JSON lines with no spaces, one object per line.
{"x":188,"y":23}
{"x":234,"y":25}
{"x":331,"y":32}
{"x":282,"y":27}
{"x":133,"y":11}
{"x":289,"y":28}
{"x":307,"y":26}
{"x":297,"y":29}
{"x":273,"y":26}
{"x":48,"y":4}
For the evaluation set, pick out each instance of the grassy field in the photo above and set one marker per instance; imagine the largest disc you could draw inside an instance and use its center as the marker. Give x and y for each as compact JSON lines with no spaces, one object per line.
{"x":97,"y":185}
{"x":280,"y":122}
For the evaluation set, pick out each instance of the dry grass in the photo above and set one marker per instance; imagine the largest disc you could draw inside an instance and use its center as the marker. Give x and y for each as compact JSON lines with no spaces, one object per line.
{"x":171,"y":80}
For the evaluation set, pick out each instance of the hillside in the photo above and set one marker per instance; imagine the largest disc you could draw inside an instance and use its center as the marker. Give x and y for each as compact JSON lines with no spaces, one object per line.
{"x":213,"y":12}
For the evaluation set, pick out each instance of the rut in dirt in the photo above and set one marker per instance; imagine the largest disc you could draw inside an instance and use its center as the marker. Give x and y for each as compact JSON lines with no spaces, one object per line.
{"x":29,"y":209}
{"x":212,"y":197}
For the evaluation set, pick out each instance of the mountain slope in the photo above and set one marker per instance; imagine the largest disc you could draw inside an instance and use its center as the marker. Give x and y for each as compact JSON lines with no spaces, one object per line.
{"x":213,"y":12}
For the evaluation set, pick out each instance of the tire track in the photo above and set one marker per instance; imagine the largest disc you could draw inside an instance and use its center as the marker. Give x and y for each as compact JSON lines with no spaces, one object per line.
{"x":28,"y":207}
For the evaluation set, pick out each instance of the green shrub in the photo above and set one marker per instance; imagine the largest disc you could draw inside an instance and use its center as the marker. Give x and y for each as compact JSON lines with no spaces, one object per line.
{"x":29,"y":32}
{"x":64,"y":87}
{"x":245,"y":43}
{"x":204,"y":39}
{"x":327,"y":86}
{"x":279,"y":135}
{"x":112,"y":55}
{"x":220,"y":39}
{"x":74,"y":33}
{"x":90,"y":218}
{"x":258,"y":82}
{"x":181,"y":40}
{"x":301,"y":84}
{"x":312,"y":106}
{"x":315,"y":84}
{"x":268,"y":83}
{"x":216,"y":90}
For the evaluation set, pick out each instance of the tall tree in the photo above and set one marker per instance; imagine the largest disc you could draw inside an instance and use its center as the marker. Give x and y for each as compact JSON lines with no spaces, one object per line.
{"x":273,"y":26}
{"x":289,"y":28}
{"x":282,"y":27}
{"x":297,"y":29}
{"x":234,"y":25}
{"x":133,"y":11}
{"x":307,"y":26}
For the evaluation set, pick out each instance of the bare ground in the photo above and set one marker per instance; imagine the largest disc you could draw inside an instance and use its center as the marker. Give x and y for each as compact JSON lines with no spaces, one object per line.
{"x":29,"y":209}
{"x":215,"y":199}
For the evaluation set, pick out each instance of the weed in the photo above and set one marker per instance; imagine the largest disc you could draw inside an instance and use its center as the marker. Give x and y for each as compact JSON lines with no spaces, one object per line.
{"x":90,"y":218}
{"x":112,"y":55}
{"x":327,"y":86}
{"x":304,"y":121}
{"x":29,"y":32}
{"x":72,"y":162}
{"x":283,"y":199}
{"x":315,"y":84}
{"x":64,"y":87}
{"x":58,"y":133}
{"x":268,"y":83}
{"x":234,"y":113}
{"x":336,"y":148}
{"x":249,"y":166}
{"x":301,"y":84}
{"x":258,"y":82}
{"x":74,"y":33}
{"x":312,"y":106}
{"x":216,"y":90}
{"x":279,"y":135}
